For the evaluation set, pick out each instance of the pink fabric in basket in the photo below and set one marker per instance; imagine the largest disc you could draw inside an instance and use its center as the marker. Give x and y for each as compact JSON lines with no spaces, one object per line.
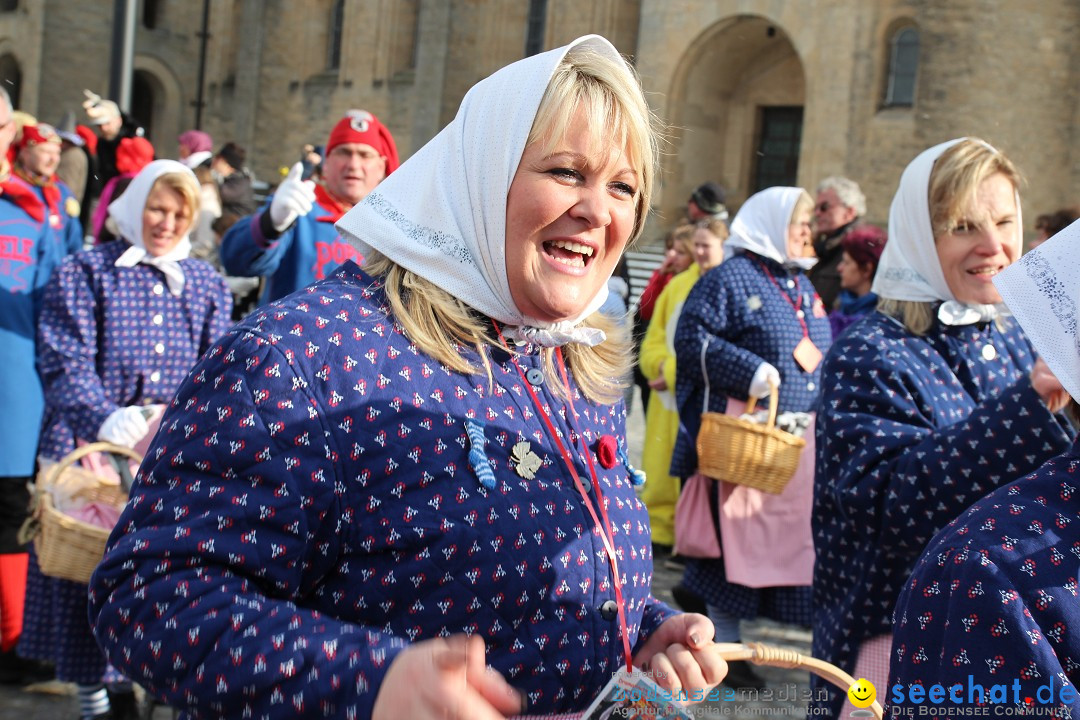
{"x":100,"y":515}
{"x":767,"y":539}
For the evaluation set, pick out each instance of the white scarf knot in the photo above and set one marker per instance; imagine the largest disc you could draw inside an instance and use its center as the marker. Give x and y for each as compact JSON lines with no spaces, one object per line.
{"x":556,"y":334}
{"x":954,"y":312}
{"x":169,"y":263}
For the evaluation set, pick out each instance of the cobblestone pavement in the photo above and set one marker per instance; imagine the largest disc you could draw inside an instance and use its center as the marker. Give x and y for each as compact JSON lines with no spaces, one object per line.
{"x":784,"y":697}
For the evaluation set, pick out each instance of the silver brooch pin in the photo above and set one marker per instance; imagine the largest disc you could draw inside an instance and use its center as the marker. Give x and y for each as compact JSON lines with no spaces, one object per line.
{"x":526,"y":462}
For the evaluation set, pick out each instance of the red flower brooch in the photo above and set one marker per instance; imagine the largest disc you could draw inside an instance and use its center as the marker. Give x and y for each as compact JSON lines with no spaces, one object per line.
{"x":607,"y":451}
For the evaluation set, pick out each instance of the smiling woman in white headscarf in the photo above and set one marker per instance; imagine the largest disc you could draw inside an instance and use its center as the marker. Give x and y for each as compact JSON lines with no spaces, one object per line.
{"x":930,"y":403}
{"x":121,"y":325}
{"x":754,"y":321}
{"x":997,"y":586}
{"x":409,"y":473}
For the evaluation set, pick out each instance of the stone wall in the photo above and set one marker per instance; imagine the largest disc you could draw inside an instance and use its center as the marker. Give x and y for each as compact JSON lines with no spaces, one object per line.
{"x":1000,"y":69}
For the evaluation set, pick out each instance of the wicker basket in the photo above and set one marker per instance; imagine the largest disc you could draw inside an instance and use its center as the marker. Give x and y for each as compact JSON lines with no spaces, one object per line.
{"x":68,"y":548}
{"x":748,"y":453}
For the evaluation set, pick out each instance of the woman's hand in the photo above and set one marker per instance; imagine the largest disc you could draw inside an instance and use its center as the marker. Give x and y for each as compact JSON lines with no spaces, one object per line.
{"x":659,"y":383}
{"x":1049,"y":388}
{"x":445,"y":680}
{"x":678,"y":656}
{"x":125,"y":426}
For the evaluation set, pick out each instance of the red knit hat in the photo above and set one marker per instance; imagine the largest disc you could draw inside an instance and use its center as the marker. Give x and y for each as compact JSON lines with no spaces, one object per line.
{"x":360,"y":126}
{"x":39,"y":134}
{"x":133,"y":154}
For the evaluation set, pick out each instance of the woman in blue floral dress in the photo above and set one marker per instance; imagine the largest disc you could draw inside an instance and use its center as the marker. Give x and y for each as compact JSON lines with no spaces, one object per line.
{"x":929,"y":403}
{"x":403,"y":492}
{"x":121,"y":326}
{"x":754,"y":321}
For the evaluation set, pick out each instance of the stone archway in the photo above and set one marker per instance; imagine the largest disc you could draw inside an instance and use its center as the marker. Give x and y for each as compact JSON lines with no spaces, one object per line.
{"x":12,"y":78}
{"x":157,"y":102}
{"x":731,"y":79}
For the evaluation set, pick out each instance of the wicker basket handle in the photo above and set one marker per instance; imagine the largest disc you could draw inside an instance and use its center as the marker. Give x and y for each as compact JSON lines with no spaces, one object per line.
{"x":791,"y":659}
{"x":774,"y":404}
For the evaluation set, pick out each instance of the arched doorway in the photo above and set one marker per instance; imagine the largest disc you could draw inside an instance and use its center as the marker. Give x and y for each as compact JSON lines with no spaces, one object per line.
{"x":736,"y":109}
{"x":145,"y":99}
{"x":157,"y":103}
{"x":11,"y":76}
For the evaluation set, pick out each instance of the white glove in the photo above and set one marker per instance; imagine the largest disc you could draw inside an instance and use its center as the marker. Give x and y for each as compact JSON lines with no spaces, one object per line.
{"x":294,"y":197}
{"x":125,"y":426}
{"x":765,"y":375}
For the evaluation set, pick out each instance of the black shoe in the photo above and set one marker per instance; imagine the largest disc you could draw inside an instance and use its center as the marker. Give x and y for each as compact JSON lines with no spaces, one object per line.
{"x":15,"y":670}
{"x":687,"y":600}
{"x":126,"y":705}
{"x":741,"y":675}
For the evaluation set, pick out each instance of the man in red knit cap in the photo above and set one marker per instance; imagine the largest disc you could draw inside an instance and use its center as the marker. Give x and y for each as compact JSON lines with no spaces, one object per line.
{"x":37,"y":156}
{"x":292,"y":241}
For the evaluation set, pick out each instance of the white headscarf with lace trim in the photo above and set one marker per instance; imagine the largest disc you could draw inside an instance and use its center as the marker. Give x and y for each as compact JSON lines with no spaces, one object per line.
{"x":909,"y":268}
{"x":442,"y":214}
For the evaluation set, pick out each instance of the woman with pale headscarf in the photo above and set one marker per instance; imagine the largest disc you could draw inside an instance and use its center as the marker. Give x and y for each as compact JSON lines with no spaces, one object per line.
{"x":121,"y":326}
{"x":412,"y":498}
{"x":992,"y":601}
{"x":753,"y":322}
{"x":929,"y":403}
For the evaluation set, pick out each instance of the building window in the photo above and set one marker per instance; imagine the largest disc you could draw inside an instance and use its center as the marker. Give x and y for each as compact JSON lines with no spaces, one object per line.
{"x":333,"y":53}
{"x":903,"y":67}
{"x":534,"y":32}
{"x":150,"y":14}
{"x":777,"y":158}
{"x":9,"y":5}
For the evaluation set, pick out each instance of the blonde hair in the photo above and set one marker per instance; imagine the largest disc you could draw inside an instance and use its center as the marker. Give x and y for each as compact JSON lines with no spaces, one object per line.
{"x":682,"y":237}
{"x":805,"y":202}
{"x":608,"y":91}
{"x":187,"y":187}
{"x":952,"y":189}
{"x":439,"y":323}
{"x":917,"y":317}
{"x":716,"y":226}
{"x":955,"y":179}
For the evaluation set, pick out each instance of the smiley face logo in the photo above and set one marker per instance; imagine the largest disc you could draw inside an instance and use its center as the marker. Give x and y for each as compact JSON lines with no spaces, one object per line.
{"x":862,"y":693}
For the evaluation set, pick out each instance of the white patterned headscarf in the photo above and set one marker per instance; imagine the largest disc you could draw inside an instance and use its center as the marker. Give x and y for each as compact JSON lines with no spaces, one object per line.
{"x":1042,"y":290}
{"x":127,"y":212}
{"x":761,"y":226}
{"x":909,"y":268}
{"x":442,"y":214}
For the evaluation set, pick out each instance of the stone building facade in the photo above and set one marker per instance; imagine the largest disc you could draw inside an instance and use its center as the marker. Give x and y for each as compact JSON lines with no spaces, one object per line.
{"x":753,"y":91}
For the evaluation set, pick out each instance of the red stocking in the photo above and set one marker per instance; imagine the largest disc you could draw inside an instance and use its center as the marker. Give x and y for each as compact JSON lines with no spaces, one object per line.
{"x":12,"y":592}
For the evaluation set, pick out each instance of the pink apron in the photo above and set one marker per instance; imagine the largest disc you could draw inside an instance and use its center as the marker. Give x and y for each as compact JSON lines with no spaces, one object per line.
{"x":766,"y":539}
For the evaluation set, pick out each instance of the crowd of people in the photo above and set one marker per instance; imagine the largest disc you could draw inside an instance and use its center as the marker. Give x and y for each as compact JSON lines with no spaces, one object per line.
{"x":399,"y":485}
